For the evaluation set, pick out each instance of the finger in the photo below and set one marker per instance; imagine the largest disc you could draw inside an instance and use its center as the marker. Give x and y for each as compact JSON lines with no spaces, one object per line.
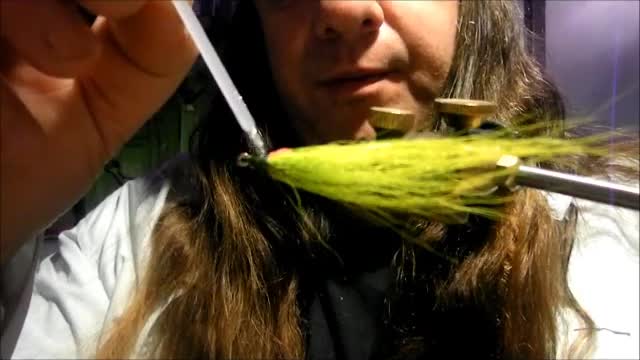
{"x":154,"y":38}
{"x":51,"y":35}
{"x":144,"y":59}
{"x":113,"y":9}
{"x":34,"y":159}
{"x":13,"y":226}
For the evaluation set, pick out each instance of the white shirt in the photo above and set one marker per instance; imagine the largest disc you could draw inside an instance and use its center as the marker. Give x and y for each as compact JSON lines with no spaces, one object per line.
{"x":81,"y":287}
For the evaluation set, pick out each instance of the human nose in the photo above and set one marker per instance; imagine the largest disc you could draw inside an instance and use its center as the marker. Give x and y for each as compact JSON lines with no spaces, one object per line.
{"x":347,"y":18}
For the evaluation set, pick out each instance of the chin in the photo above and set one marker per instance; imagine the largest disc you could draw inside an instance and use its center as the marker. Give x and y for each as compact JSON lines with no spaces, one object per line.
{"x":363,"y":132}
{"x":354,"y":126}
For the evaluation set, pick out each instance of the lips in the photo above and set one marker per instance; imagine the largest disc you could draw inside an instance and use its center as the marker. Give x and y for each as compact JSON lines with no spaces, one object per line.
{"x":353,"y":82}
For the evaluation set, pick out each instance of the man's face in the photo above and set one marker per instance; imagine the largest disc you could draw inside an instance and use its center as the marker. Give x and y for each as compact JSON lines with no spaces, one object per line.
{"x":332,"y":60}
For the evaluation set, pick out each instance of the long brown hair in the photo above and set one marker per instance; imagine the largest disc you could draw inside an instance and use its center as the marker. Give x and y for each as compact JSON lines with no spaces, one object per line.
{"x":228,"y":251}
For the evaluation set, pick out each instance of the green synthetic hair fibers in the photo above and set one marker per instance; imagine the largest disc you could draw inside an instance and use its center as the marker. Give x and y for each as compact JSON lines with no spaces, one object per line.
{"x":444,"y":178}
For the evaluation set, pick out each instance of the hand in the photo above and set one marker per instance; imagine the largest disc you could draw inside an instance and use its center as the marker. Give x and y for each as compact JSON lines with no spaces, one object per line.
{"x":72,"y":94}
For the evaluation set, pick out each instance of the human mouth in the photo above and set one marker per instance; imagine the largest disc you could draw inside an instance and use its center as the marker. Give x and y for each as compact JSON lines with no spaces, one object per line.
{"x":354,"y":83}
